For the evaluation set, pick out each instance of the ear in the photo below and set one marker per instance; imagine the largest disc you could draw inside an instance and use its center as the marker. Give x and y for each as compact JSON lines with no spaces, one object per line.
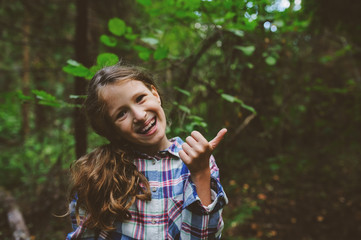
{"x":155,"y":93}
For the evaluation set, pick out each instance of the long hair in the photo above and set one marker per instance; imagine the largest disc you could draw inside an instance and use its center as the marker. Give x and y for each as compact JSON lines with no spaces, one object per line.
{"x":106,"y":182}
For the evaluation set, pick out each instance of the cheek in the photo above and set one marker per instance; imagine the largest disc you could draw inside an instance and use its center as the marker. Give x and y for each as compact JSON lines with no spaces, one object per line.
{"x":123,"y":128}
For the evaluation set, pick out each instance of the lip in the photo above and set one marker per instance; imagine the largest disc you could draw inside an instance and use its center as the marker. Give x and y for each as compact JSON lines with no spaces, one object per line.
{"x":152,"y":128}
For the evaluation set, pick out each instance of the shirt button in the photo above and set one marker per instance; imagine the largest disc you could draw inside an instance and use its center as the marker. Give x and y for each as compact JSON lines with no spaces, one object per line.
{"x":154,"y":221}
{"x":153,"y":162}
{"x":154,"y":189}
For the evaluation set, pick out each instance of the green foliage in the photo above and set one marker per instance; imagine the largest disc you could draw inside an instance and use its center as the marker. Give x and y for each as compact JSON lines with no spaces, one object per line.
{"x":247,"y":50}
{"x":107,"y":59}
{"x":117,"y":26}
{"x":220,"y":62}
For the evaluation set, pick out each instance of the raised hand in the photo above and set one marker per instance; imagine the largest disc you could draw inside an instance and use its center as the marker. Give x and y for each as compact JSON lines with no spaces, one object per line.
{"x":197,"y":151}
{"x":195,"y":154}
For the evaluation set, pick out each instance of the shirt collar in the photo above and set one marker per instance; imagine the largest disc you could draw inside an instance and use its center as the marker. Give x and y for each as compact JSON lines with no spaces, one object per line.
{"x":173,"y":149}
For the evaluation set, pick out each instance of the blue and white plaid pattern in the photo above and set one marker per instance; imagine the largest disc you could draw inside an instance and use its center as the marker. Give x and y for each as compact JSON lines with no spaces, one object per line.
{"x":175,"y":211}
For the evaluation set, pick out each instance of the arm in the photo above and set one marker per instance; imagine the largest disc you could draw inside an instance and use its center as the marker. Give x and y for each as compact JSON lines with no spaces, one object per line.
{"x":195,"y":154}
{"x":199,"y":221}
{"x":204,"y":197}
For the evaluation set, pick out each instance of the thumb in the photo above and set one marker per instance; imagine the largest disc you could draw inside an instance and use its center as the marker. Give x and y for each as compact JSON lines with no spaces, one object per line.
{"x":215,"y":141}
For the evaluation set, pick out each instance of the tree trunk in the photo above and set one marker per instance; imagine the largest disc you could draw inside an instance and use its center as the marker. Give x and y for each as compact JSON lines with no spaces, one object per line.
{"x":81,"y":55}
{"x":15,"y":218}
{"x":25,"y":79}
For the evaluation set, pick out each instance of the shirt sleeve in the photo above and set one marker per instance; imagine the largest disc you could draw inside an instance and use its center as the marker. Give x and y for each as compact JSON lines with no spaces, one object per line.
{"x":199,"y":221}
{"x":79,"y":231}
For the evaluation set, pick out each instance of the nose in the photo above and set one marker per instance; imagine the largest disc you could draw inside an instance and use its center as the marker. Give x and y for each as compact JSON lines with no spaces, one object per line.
{"x":139,"y":115}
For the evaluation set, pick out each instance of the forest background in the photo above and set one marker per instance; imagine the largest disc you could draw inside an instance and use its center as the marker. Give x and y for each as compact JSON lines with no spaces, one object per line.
{"x":282,"y":76}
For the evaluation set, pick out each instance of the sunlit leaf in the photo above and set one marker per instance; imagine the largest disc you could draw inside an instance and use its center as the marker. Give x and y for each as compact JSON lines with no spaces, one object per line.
{"x":237,"y":32}
{"x":116,"y":26}
{"x":107,"y":59}
{"x":77,"y":71}
{"x":108,"y":40}
{"x":185,"y":92}
{"x":77,"y":96}
{"x":184,"y":109}
{"x":228,"y":97}
{"x":149,"y":40}
{"x":271,"y":60}
{"x":247,"y":50}
{"x":73,"y":63}
{"x":250,"y":65}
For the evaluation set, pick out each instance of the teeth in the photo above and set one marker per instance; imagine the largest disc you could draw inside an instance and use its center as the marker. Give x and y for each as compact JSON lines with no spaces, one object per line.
{"x":146,"y":128}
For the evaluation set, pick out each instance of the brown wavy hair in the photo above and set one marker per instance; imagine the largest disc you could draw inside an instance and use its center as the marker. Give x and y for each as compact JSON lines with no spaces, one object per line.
{"x":106,"y":182}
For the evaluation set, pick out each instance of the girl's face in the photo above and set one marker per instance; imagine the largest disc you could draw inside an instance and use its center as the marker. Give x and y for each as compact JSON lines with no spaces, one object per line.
{"x":137,"y":114}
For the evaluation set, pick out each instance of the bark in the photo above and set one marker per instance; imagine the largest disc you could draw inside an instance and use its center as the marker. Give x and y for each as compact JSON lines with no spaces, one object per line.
{"x":14,"y":216}
{"x":81,"y":55}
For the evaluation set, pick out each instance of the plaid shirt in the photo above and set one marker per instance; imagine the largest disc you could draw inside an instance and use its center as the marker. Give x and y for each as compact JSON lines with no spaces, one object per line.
{"x":175,"y":211}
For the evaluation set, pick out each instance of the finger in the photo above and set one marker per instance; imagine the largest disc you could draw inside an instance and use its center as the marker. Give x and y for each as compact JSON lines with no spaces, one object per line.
{"x":199,"y":137}
{"x":188,"y":150}
{"x":184,"y":157}
{"x":191,"y":141}
{"x":197,"y":147}
{"x":214,"y":143}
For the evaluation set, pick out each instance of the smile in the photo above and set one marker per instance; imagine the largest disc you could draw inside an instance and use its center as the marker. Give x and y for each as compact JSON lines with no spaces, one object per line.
{"x":148,"y":127}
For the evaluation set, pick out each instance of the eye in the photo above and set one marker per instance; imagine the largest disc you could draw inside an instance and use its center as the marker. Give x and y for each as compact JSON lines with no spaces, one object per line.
{"x":121,"y":114}
{"x":140,"y":98}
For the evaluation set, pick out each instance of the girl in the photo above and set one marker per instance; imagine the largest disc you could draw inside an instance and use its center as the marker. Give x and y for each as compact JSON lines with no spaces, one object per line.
{"x":142,"y":185}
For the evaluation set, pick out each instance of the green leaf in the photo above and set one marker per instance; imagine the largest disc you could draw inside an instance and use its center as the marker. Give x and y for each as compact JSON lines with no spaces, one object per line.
{"x":236,"y":32}
{"x":249,"y":108}
{"x":117,"y":26}
{"x":184,"y":109}
{"x":250,"y":65}
{"x":160,"y":53}
{"x":145,"y":3}
{"x":77,"y":96}
{"x":130,"y":36}
{"x":143,"y":52}
{"x":93,"y":70}
{"x":40,"y":94}
{"x":229,"y":15}
{"x":144,"y":55}
{"x":73,"y":63}
{"x":271,"y":60}
{"x":228,"y":97}
{"x":46,"y":98}
{"x":150,"y":40}
{"x":107,"y":59}
{"x":108,"y":40}
{"x":185,"y":92}
{"x":247,"y":50}
{"x":77,"y":71}
{"x":21,"y":96}
{"x":196,"y":118}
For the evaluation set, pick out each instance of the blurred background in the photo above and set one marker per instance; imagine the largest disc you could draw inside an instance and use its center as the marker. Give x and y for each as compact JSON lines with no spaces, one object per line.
{"x":282,"y":75}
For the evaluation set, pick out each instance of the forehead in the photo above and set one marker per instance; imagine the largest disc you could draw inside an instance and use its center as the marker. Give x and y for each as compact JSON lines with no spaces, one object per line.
{"x":120,"y":91}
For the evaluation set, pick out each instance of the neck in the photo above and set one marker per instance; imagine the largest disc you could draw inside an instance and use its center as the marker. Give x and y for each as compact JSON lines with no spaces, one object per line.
{"x":153,"y":150}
